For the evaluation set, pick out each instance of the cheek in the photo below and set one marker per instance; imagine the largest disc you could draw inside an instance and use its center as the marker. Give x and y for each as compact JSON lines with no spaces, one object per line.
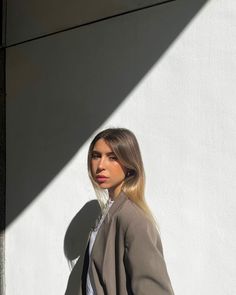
{"x":93,"y":167}
{"x":118,"y":171}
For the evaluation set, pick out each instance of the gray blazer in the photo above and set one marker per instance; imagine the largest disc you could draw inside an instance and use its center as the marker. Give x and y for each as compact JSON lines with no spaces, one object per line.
{"x":127,"y":255}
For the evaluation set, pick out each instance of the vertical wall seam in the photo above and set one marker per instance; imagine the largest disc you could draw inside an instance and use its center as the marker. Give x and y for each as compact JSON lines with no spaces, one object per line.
{"x":2,"y":170}
{"x":3,"y":32}
{"x":2,"y":145}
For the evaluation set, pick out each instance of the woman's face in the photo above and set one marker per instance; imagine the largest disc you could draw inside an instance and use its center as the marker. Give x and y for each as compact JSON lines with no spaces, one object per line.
{"x":106,"y":169}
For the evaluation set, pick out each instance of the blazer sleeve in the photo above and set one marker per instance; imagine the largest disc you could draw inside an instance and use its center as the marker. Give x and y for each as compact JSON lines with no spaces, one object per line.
{"x":144,"y":260}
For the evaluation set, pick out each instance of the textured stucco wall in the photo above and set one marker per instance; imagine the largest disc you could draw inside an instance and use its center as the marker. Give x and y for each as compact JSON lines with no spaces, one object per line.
{"x":183,"y":112}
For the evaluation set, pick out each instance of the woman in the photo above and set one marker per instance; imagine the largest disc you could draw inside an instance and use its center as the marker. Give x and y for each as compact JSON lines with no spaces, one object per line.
{"x":124,"y":254}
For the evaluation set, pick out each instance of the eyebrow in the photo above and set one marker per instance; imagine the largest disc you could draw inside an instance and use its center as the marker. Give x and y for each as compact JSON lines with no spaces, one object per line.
{"x":97,"y":152}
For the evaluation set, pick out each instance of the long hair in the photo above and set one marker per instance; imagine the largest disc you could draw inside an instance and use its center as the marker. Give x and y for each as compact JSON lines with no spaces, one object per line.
{"x":126,"y":148}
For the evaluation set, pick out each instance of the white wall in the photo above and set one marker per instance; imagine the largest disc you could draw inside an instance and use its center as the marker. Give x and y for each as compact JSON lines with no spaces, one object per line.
{"x":183,"y":112}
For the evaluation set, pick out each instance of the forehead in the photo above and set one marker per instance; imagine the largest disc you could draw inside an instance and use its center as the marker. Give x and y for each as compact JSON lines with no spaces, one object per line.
{"x":102,"y":146}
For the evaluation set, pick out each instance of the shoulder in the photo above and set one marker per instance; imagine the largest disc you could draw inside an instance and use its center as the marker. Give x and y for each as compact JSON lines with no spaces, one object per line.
{"x":133,"y":219}
{"x":130,"y":212}
{"x":136,"y":225}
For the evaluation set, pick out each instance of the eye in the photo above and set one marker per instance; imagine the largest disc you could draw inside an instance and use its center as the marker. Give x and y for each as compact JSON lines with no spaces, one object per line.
{"x":113,"y":158}
{"x":95,"y":156}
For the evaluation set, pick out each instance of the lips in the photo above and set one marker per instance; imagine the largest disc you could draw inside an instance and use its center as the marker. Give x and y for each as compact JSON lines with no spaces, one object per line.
{"x":101,"y":178}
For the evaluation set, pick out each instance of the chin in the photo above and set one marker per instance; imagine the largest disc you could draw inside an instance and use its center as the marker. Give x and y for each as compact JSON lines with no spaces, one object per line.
{"x":103,"y":185}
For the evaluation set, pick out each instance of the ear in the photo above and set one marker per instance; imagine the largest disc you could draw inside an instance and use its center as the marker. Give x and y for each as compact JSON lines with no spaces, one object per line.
{"x":128,"y":173}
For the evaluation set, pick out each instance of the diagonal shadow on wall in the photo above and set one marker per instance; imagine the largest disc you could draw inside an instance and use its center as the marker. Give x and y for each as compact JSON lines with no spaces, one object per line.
{"x":61,"y":88}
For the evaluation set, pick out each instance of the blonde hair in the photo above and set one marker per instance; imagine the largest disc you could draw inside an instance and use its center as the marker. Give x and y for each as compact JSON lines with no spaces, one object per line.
{"x":126,"y":148}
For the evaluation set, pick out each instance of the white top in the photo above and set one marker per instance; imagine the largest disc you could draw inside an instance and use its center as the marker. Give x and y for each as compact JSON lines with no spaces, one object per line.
{"x":89,"y":289}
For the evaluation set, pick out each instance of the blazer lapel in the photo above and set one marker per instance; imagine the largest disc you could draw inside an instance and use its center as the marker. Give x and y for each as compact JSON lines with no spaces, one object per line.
{"x":104,"y":229}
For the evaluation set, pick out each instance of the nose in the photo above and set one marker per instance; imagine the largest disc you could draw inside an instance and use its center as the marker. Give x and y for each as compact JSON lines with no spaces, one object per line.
{"x":101,"y":164}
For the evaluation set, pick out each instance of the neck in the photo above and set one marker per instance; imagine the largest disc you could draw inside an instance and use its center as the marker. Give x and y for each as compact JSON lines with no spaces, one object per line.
{"x":114,"y":192}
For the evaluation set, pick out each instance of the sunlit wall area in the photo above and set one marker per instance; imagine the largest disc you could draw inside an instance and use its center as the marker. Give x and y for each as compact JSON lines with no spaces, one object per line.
{"x":167,"y":73}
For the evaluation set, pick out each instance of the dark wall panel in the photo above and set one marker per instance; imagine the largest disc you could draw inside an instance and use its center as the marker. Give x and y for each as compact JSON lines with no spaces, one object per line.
{"x":27,"y":19}
{"x":61,"y":88}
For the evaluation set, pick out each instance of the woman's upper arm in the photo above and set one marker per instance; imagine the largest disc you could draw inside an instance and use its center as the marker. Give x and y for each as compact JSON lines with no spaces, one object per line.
{"x":144,"y":261}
